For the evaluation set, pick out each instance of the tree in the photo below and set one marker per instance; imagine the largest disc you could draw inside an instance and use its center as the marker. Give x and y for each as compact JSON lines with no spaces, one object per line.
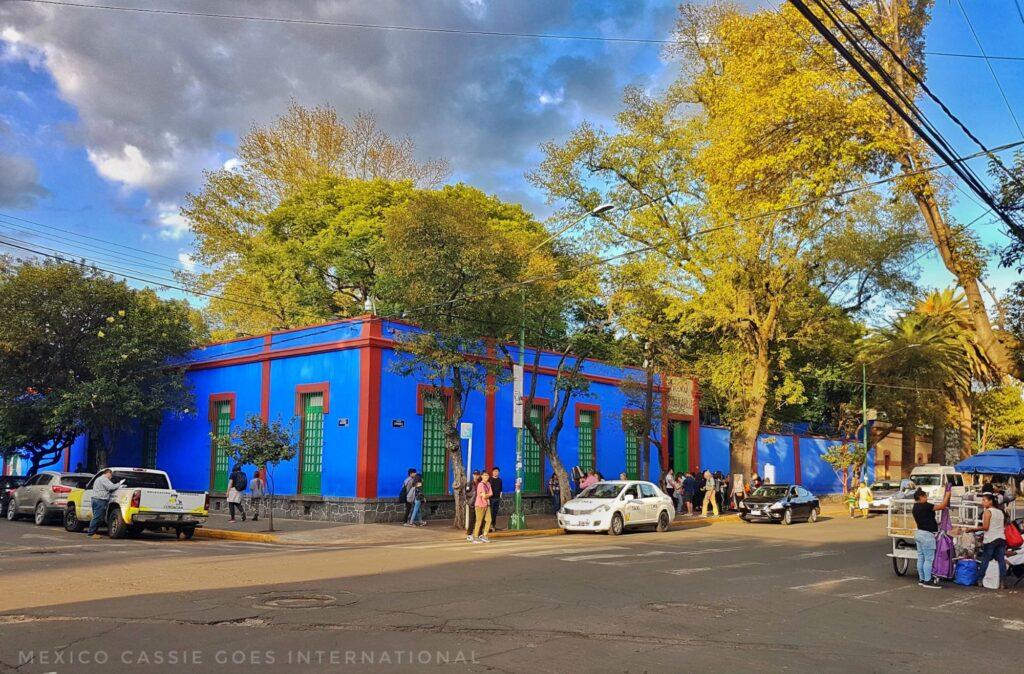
{"x":263,"y":445}
{"x":295,"y":163}
{"x":83,"y":353}
{"x":452,"y":260}
{"x":1000,"y":416}
{"x":735,"y":176}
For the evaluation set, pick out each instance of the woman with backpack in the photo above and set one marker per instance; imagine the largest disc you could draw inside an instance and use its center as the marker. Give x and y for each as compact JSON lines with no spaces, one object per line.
{"x":237,"y":482}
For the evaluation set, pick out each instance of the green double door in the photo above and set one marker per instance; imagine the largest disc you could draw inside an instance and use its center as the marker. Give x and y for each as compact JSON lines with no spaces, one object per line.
{"x":679,"y":436}
{"x":221,"y":429}
{"x":433,"y":447}
{"x":312,"y":457}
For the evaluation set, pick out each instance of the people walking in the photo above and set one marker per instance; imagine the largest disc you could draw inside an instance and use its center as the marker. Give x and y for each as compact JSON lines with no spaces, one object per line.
{"x":709,"y":494}
{"x":469,"y":492}
{"x":237,"y":482}
{"x":993,"y":542}
{"x":555,"y":489}
{"x":668,"y":483}
{"x":403,"y":494}
{"x":864,"y":498}
{"x":925,"y":535}
{"x":416,"y":498}
{"x":722,"y":490}
{"x":483,"y":509}
{"x":689,"y":492}
{"x":495,"y":497}
{"x":257,"y":491}
{"x":678,"y":495}
{"x":102,"y":489}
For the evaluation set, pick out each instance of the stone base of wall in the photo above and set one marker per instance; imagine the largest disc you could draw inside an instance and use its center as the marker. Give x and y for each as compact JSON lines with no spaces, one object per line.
{"x":366,"y":511}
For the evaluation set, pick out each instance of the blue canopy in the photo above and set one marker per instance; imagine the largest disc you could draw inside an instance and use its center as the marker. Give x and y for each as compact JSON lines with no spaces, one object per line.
{"x":1005,"y":461}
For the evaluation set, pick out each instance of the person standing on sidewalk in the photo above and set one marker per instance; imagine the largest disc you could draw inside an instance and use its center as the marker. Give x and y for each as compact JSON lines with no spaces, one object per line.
{"x":555,"y":489}
{"x":417,"y":499}
{"x":668,"y":483}
{"x":257,"y":490}
{"x":469,"y":492}
{"x":237,"y":482}
{"x":102,"y":489}
{"x":993,"y":542}
{"x":709,"y":494}
{"x":483,"y":509}
{"x":495,"y":497}
{"x":403,"y":495}
{"x":689,"y":490}
{"x":924,"y":535}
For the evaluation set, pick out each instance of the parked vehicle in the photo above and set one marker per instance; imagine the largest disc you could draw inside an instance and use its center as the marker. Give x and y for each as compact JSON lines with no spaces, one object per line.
{"x":783,"y":503}
{"x":146,"y":500}
{"x":44,"y":495}
{"x":8,"y":483}
{"x":884,"y":491}
{"x":933,"y":477}
{"x":614,"y":505}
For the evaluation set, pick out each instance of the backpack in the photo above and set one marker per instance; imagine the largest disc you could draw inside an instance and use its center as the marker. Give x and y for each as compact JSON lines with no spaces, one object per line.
{"x":402,"y":495}
{"x":239,"y":481}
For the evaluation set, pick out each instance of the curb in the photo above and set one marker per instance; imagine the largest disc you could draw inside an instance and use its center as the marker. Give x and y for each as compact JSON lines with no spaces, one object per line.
{"x":227,"y":535}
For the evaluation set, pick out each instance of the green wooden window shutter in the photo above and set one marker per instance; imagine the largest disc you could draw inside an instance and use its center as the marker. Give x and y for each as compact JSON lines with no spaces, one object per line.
{"x":311,"y":463}
{"x":586,"y":441}
{"x":149,"y":442}
{"x":632,"y":455}
{"x":220,"y":455}
{"x":433,"y":447}
{"x":531,"y":453}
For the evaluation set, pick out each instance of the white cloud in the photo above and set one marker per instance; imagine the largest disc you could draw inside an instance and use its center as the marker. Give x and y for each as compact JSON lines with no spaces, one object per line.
{"x":173,"y":225}
{"x":232,"y":164}
{"x":129,"y":167}
{"x":186,"y":261}
{"x":551,"y":97}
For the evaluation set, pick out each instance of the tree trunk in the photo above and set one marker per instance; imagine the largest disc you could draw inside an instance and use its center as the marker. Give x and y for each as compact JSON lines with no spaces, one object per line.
{"x":908,"y":441}
{"x":939,"y":438}
{"x":743,"y":445}
{"x":965,"y":419}
{"x":564,"y":486}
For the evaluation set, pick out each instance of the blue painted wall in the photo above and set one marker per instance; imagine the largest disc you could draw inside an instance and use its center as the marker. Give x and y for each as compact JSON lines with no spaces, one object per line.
{"x":714,"y":448}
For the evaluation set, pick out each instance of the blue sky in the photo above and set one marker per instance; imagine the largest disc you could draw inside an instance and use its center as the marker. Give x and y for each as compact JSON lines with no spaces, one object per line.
{"x":108,"y":119}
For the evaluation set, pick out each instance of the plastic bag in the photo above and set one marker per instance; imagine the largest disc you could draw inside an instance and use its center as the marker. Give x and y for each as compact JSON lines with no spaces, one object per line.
{"x":966,"y":572}
{"x":991,"y":579}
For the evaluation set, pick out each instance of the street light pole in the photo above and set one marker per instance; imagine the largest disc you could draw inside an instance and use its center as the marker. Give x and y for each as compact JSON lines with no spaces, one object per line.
{"x":518,"y":519}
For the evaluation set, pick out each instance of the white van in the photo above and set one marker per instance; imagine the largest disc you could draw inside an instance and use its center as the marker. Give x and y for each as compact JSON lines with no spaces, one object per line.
{"x":933,"y":478}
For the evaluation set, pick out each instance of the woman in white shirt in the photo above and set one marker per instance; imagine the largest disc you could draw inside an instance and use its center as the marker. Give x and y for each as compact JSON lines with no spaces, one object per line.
{"x":993,"y":523}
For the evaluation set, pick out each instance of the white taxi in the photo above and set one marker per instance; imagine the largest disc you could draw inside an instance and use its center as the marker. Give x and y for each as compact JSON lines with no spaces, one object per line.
{"x":616,"y":504}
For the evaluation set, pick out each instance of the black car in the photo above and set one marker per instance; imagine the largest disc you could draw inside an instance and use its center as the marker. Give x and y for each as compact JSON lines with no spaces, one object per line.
{"x":8,"y":483}
{"x":784,"y":503}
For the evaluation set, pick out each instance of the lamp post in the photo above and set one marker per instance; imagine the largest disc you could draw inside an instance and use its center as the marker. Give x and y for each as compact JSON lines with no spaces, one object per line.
{"x":518,"y":520}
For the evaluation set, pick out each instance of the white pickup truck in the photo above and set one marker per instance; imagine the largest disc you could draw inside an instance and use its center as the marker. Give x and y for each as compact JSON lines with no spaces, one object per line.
{"x":144,"y":500}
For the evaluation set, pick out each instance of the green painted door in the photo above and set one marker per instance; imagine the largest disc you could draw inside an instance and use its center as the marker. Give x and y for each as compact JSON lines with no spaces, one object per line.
{"x":433,"y":447}
{"x":222,"y":428}
{"x":680,"y":446}
{"x":586,"y":441}
{"x":632,"y":455}
{"x":312,"y":443}
{"x":149,"y":435}
{"x":531,"y":454}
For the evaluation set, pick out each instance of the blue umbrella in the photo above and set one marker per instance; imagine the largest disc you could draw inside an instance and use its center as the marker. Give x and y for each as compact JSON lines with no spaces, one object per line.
{"x":1005,"y":461}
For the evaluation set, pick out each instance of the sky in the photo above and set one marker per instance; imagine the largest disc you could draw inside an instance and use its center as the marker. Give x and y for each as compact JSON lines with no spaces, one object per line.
{"x":108,"y":119}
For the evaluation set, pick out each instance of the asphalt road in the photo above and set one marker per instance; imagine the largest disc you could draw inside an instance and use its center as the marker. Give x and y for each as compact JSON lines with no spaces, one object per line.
{"x":728,"y":597}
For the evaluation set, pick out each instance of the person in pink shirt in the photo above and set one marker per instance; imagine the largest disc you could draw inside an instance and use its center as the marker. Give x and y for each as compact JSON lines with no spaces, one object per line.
{"x":482,"y":505}
{"x":590,"y":480}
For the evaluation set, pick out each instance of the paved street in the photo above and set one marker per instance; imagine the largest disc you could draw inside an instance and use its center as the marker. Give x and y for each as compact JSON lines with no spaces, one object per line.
{"x":719,"y":598}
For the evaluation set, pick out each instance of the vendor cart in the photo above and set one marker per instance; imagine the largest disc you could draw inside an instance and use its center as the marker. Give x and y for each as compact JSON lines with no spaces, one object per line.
{"x":900,"y":526}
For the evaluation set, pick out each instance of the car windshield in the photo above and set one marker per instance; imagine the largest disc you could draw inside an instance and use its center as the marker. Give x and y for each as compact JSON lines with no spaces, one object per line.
{"x":601,"y":490}
{"x":775,"y":491}
{"x":77,"y":481}
{"x":141,"y":480}
{"x":927,"y":480}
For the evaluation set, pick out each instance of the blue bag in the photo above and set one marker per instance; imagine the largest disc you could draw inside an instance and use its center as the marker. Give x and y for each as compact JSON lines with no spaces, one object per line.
{"x":966,"y":572}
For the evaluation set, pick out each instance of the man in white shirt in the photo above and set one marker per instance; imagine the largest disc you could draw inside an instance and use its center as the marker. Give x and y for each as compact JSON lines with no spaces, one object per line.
{"x":102,"y":489}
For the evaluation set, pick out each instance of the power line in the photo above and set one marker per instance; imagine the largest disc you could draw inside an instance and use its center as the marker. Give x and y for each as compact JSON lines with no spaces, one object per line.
{"x":413,"y":29}
{"x":992,"y":70}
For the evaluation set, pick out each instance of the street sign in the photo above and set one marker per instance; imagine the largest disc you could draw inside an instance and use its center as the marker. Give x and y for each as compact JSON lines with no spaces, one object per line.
{"x":517,"y":396}
{"x":398,"y":423}
{"x":465,"y":430}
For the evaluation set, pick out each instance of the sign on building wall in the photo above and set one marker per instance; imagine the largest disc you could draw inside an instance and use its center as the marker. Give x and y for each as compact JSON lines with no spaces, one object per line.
{"x":680,"y":395}
{"x":517,"y":396}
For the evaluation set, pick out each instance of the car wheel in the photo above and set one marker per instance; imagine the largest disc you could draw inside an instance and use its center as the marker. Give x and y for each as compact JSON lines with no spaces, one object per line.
{"x":116,"y":526}
{"x":187,"y":533}
{"x":744,"y":518}
{"x":787,"y":517}
{"x":39,"y":516}
{"x":664,"y":521}
{"x":12,"y":510}
{"x":617,"y":525}
{"x":71,"y":522}
{"x":900,"y":565}
{"x":813,"y":517}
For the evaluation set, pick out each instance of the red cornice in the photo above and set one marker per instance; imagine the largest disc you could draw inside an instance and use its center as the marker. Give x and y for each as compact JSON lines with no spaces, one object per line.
{"x":323,"y":388}
{"x":285,"y":331}
{"x":587,"y":407}
{"x":424,"y":391}
{"x":220,"y":398}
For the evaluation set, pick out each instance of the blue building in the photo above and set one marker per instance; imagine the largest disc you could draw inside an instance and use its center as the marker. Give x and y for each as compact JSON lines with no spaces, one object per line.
{"x":362,"y":425}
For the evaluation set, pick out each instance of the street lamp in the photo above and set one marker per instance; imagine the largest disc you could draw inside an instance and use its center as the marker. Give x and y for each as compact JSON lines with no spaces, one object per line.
{"x":518,"y":520}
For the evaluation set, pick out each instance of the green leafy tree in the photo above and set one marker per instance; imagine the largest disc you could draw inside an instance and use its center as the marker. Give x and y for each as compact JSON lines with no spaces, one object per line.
{"x":1000,"y":414}
{"x":263,"y":445}
{"x":83,"y":353}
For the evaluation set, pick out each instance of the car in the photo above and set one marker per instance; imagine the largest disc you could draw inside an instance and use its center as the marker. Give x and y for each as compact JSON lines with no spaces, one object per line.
{"x":614,"y":505}
{"x":8,"y":483}
{"x":44,"y":495}
{"x":884,"y":491}
{"x":144,"y":500}
{"x":933,"y":478}
{"x":785,"y":503}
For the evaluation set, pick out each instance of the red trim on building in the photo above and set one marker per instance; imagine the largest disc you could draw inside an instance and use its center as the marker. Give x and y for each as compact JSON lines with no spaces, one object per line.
{"x":215,"y":398}
{"x":323,"y":388}
{"x":587,"y":407}
{"x":368,"y":443}
{"x":798,"y":473}
{"x":490,"y":413}
{"x":265,"y":383}
{"x":424,"y":391}
{"x":695,"y":428}
{"x":273,"y":333}
{"x":629,"y":413}
{"x":67,"y":459}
